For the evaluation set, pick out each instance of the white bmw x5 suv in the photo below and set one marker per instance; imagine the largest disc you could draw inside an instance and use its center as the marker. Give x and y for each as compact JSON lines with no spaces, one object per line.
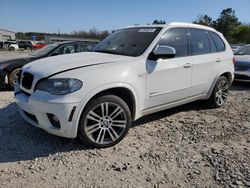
{"x":133,"y":72}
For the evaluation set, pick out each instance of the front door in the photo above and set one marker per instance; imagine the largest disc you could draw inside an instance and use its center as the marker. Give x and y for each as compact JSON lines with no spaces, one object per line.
{"x":169,"y":80}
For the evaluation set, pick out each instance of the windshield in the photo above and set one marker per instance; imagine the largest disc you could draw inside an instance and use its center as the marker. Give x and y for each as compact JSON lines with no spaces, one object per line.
{"x":129,"y":42}
{"x":45,"y":50}
{"x":243,"y":51}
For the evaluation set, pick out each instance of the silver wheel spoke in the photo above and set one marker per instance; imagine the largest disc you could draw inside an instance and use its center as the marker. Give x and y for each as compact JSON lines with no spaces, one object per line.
{"x":91,"y":131}
{"x":221,"y":101}
{"x":107,"y":108}
{"x":93,"y":116}
{"x":92,"y":127}
{"x":225,"y":87}
{"x":224,"y":94}
{"x":116,"y":112}
{"x":119,"y":123}
{"x":100,"y":137}
{"x":113,"y":133}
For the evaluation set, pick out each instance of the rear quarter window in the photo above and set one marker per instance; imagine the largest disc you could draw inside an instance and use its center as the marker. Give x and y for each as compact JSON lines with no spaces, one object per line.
{"x":220,"y":45}
{"x":199,"y":42}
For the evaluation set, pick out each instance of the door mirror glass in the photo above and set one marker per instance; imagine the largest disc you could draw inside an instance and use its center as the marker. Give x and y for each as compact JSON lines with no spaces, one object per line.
{"x":164,"y":52}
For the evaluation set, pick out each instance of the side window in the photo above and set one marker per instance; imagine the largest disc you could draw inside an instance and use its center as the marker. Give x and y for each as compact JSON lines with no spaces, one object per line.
{"x":245,"y":50}
{"x":65,"y":49}
{"x":83,"y":47}
{"x":211,"y":43}
{"x":199,"y":42}
{"x":218,"y":42}
{"x":176,"y":38}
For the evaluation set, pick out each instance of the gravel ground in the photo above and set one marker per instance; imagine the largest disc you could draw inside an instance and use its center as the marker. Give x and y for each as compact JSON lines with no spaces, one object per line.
{"x":188,"y":146}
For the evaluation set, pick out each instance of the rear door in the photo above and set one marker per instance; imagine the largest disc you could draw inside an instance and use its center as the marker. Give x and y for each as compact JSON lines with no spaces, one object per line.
{"x":204,"y":59}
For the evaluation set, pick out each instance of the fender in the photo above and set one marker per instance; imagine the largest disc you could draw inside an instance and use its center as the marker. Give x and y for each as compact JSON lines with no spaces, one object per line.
{"x":97,"y":90}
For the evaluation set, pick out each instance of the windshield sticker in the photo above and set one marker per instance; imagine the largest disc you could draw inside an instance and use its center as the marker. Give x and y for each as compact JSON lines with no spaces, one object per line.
{"x":147,"y":30}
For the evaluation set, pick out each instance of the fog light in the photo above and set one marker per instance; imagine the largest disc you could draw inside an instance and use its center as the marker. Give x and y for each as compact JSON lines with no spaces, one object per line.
{"x":54,"y":120}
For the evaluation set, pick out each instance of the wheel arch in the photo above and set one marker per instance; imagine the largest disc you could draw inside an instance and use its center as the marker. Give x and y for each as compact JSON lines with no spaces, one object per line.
{"x":124,"y":91}
{"x":227,"y":74}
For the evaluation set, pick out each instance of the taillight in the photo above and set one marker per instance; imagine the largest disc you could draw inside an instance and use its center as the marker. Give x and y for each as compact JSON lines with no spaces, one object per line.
{"x":234,"y":61}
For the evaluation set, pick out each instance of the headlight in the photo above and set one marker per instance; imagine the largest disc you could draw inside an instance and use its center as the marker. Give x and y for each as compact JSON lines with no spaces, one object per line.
{"x":59,"y":86}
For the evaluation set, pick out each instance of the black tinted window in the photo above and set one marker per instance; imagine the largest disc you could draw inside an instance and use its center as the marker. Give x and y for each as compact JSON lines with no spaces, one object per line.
{"x":176,"y":38}
{"x":213,"y":48}
{"x":199,"y":42}
{"x":218,"y":42}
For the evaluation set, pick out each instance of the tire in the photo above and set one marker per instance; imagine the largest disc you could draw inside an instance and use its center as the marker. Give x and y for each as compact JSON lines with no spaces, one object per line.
{"x":220,"y":93}
{"x":103,"y":128}
{"x":11,"y":48}
{"x":12,"y":76}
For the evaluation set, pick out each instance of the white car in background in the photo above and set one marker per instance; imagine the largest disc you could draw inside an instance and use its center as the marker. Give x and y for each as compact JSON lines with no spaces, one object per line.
{"x":134,"y":72}
{"x":10,"y":45}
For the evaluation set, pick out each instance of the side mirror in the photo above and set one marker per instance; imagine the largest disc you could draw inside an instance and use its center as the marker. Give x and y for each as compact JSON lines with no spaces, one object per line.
{"x":164,"y":52}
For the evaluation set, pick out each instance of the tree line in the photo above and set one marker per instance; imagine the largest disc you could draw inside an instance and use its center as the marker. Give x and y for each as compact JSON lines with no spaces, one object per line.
{"x":92,"y":33}
{"x":227,"y":23}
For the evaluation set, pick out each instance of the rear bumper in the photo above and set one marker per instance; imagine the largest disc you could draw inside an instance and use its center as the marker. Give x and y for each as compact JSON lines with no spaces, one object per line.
{"x":3,"y":79}
{"x":242,"y":76}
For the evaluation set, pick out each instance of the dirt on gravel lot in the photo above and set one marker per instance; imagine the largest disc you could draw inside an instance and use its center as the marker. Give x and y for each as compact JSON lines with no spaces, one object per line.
{"x":188,"y":146}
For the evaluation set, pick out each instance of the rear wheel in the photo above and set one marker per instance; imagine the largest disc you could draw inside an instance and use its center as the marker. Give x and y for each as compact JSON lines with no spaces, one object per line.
{"x":220,"y":93}
{"x":104,"y":122}
{"x":13,"y":77}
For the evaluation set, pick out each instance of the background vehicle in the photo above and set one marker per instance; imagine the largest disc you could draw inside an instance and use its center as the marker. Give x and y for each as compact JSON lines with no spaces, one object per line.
{"x":9,"y":68}
{"x":242,"y":64}
{"x":10,"y":45}
{"x":134,"y":72}
{"x":39,"y":45}
{"x":27,"y":45}
{"x":236,"y":47}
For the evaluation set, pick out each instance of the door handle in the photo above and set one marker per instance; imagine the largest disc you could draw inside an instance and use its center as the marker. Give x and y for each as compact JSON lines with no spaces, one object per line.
{"x":187,"y":65}
{"x":218,"y":60}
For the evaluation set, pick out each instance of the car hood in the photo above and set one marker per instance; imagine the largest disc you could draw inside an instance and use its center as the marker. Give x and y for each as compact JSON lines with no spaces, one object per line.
{"x":8,"y":62}
{"x":53,"y":65}
{"x":242,"y":60}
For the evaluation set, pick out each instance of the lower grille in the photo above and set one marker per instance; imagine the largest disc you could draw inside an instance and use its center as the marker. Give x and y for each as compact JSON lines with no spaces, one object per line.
{"x":241,"y":77}
{"x":31,"y":116}
{"x":26,"y":80}
{"x":241,"y":68}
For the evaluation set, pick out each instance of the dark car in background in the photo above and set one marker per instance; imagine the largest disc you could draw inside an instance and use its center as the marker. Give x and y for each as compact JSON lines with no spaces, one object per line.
{"x":242,"y":64}
{"x":27,"y":45}
{"x":10,"y":68}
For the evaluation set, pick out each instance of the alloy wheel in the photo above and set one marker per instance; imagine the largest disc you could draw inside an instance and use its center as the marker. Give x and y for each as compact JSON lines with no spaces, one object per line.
{"x":222,"y":92}
{"x":105,"y":123}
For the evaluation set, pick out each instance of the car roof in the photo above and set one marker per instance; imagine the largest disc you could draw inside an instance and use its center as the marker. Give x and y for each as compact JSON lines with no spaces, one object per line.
{"x":178,"y":24}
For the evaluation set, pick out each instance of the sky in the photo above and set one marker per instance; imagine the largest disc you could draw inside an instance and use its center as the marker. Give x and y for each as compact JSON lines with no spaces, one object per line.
{"x":69,"y":15}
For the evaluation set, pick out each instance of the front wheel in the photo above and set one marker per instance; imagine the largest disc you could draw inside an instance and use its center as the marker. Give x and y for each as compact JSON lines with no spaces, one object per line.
{"x":220,"y":93}
{"x":104,"y":122}
{"x":13,"y":77}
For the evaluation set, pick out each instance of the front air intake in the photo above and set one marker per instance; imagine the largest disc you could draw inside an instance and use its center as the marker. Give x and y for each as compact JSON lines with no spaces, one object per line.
{"x":26,"y":80}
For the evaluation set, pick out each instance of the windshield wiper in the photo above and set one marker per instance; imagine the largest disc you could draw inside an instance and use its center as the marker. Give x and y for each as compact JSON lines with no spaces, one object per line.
{"x":109,"y":52}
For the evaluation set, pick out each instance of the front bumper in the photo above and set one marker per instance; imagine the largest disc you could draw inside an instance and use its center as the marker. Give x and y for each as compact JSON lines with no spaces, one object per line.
{"x":242,"y":75}
{"x":3,"y":78}
{"x":36,"y":113}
